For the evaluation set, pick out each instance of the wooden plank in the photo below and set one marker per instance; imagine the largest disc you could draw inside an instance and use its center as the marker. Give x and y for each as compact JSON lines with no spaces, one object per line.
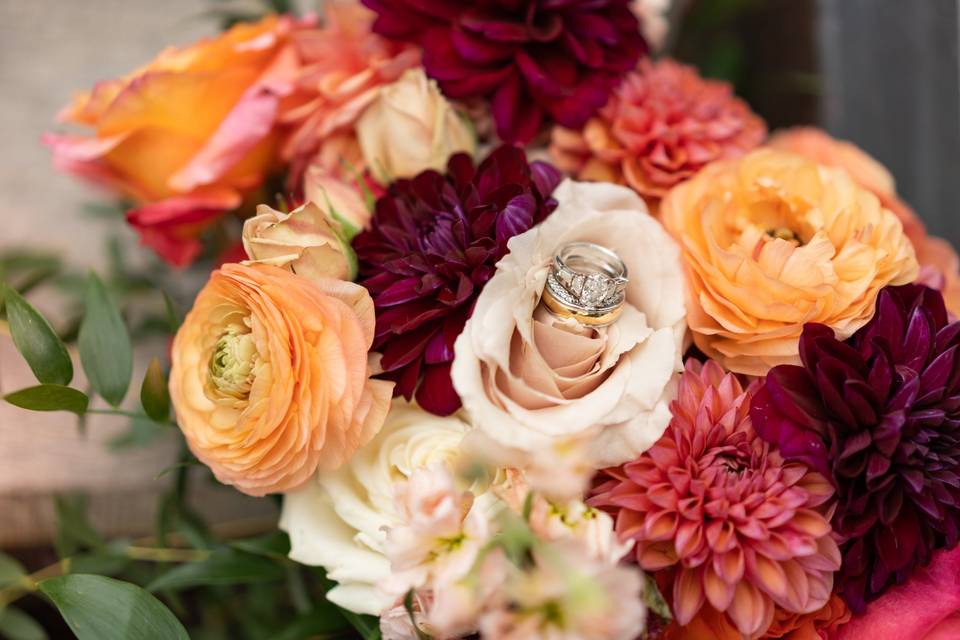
{"x":891,"y":84}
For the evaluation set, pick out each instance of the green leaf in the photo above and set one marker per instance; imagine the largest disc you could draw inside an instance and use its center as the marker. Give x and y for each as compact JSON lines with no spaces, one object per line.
{"x":74,"y":531}
{"x":36,"y":341}
{"x":654,"y":599}
{"x":322,"y":620}
{"x":367,"y":626}
{"x":99,"y":608}
{"x":170,"y":308}
{"x":10,"y":570}
{"x":272,"y":545}
{"x":224,"y":566}
{"x":141,"y":433}
{"x":16,"y":625}
{"x":105,"y":350}
{"x":154,"y":395}
{"x":50,"y":397}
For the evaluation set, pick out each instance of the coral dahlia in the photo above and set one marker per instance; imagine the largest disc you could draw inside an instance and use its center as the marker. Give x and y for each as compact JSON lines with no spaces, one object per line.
{"x":879,"y":414}
{"x":432,"y":246}
{"x":533,"y":60}
{"x":662,"y":125}
{"x":739,"y":529}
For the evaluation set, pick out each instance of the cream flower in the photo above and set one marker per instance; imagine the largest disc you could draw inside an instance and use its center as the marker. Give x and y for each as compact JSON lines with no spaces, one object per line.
{"x":528,"y":379}
{"x":305,"y":241}
{"x":338,"y":521}
{"x":410,"y":128}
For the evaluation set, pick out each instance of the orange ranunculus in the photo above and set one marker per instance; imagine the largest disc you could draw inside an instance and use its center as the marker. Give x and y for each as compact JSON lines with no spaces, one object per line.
{"x":188,"y":135}
{"x":270,"y":378}
{"x":773,"y":241}
{"x":344,"y":66}
{"x":821,"y":624}
{"x":940,"y":266}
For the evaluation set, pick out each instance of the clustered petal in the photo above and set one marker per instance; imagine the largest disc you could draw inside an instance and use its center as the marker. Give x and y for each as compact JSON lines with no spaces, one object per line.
{"x":741,"y":530}
{"x":533,"y":60}
{"x":662,"y":125}
{"x":880,"y":414}
{"x":432,"y":247}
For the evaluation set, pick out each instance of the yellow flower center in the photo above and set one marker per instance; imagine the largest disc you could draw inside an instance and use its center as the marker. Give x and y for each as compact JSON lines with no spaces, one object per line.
{"x":233,"y":361}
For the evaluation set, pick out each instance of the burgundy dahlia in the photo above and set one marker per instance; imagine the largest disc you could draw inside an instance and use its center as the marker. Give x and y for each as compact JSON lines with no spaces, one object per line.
{"x":879,"y":414}
{"x":531,"y":58}
{"x":432,"y":246}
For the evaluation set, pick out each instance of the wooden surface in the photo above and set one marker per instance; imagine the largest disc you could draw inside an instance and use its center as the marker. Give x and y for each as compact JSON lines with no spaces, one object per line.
{"x":891,"y":83}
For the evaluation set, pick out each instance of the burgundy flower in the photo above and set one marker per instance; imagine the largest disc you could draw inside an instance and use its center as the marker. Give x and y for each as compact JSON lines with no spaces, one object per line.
{"x":432,"y":246}
{"x":879,"y":414}
{"x":532,"y":58}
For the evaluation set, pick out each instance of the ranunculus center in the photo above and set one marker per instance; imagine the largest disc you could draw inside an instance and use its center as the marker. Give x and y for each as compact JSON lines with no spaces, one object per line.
{"x":778,"y":219}
{"x":232,"y":362}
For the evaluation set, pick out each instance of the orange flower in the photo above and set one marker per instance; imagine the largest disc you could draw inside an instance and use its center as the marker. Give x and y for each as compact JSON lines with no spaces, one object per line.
{"x":188,"y":135}
{"x":819,"y":625}
{"x":939,"y":261}
{"x":659,"y":128}
{"x":270,"y":378}
{"x":822,"y":624}
{"x":773,"y":241}
{"x":345,"y":64}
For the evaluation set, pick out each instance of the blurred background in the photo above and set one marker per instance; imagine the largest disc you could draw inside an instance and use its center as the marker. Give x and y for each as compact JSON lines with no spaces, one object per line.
{"x":884,"y":74}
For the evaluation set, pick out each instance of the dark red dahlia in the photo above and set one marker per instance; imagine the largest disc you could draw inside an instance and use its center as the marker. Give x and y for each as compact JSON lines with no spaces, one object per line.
{"x":879,"y":414}
{"x":531,"y":58}
{"x":432,"y":247}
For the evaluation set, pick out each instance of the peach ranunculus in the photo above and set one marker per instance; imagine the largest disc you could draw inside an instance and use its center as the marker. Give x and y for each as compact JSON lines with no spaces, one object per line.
{"x":345,"y":64}
{"x":270,"y":377}
{"x":940,"y":266}
{"x":773,"y":241}
{"x":187,"y":136}
{"x":410,"y":128}
{"x":306,"y":241}
{"x":529,"y":380}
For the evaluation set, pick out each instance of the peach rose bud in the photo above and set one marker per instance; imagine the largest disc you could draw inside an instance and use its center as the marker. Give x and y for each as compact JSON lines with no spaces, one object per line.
{"x":410,"y":128}
{"x":305,"y":241}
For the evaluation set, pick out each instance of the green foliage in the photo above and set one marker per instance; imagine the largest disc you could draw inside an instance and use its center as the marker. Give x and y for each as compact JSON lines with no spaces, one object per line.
{"x":11,"y":571}
{"x":154,"y":395}
{"x":74,"y":531}
{"x":36,"y":341}
{"x":224,"y":566}
{"x":105,"y":349}
{"x":16,"y":625}
{"x":99,"y":608}
{"x":367,"y":626}
{"x":50,"y":397}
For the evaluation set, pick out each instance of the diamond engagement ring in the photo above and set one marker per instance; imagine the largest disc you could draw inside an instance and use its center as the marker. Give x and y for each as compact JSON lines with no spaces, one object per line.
{"x":586,"y":282}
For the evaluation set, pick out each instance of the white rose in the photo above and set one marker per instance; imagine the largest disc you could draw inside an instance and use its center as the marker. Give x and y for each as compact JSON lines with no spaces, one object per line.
{"x":410,"y":128}
{"x":528,"y":379}
{"x":339,"y":521}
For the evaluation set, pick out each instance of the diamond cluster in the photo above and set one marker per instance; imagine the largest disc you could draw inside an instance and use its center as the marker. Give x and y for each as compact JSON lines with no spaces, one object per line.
{"x":591,"y":291}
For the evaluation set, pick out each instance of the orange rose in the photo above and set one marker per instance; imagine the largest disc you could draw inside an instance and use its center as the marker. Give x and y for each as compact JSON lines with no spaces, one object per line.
{"x":270,"y":378}
{"x":773,"y":241}
{"x":188,"y":135}
{"x":939,"y":261}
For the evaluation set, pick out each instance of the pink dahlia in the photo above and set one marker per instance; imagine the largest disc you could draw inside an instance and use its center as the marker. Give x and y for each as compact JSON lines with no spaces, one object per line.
{"x":879,"y":414}
{"x":534,"y":60}
{"x":433,"y":244}
{"x":661,"y":126}
{"x":718,"y":508}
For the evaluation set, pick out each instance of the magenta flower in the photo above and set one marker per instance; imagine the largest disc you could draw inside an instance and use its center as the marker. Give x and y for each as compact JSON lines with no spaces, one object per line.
{"x":720,"y":511}
{"x":879,"y":414}
{"x":557,"y":59}
{"x":432,"y":246}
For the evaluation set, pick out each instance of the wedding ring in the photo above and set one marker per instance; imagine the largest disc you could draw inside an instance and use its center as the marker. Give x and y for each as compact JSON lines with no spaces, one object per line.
{"x":586,"y":282}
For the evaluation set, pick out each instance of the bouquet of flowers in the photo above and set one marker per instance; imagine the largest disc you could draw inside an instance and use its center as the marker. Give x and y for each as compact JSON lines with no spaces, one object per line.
{"x":534,"y":334}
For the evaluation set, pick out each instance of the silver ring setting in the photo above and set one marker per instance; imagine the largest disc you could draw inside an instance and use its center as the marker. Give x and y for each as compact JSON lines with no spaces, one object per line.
{"x":586,"y":282}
